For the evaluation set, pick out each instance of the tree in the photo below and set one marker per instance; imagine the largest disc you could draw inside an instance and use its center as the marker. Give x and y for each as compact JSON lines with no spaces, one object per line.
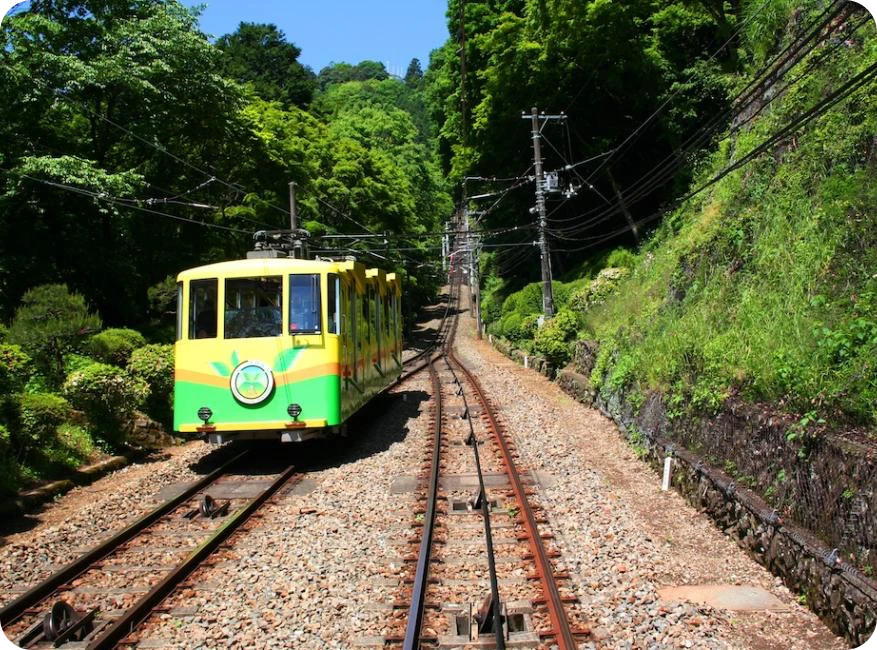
{"x":339,"y":73}
{"x":118,"y":105}
{"x":259,"y":54}
{"x":50,"y":323}
{"x":414,"y":74}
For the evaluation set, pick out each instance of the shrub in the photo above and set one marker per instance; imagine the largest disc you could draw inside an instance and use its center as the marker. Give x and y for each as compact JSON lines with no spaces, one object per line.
{"x":621,"y":258}
{"x":16,"y":368}
{"x":4,"y":332}
{"x":49,"y":323}
{"x":76,"y":441}
{"x":115,"y":345}
{"x":154,"y":364}
{"x":40,"y":415}
{"x":529,"y":325}
{"x":597,"y":291}
{"x":511,"y":326}
{"x":553,"y":339}
{"x":5,"y":442}
{"x":108,"y":395}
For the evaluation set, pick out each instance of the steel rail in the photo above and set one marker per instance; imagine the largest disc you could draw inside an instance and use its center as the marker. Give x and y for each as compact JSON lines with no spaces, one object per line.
{"x":14,"y":610}
{"x":138,"y":612}
{"x":556,"y":611}
{"x":421,"y":576}
{"x":485,"y":514}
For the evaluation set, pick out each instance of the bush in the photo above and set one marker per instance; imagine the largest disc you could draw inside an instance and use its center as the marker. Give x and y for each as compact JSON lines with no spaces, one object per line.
{"x":4,"y":332}
{"x":5,"y":442}
{"x":115,"y":345}
{"x":511,"y":326}
{"x":597,"y":291}
{"x":553,"y":339}
{"x":39,"y":416}
{"x":50,"y":323}
{"x":108,"y":395}
{"x":621,"y":258}
{"x":16,"y":368}
{"x":76,"y":442}
{"x":154,"y":364}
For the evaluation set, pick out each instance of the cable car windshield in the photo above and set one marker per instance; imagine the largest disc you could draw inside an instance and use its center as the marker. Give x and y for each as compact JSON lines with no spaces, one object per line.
{"x":252,"y":307}
{"x":304,"y":304}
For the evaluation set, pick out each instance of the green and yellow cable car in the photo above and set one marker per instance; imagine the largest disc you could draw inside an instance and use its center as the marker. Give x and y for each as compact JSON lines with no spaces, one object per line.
{"x":280,"y":348}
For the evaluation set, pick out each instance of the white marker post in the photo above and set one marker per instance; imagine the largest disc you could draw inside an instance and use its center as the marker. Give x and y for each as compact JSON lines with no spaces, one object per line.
{"x":665,"y":484}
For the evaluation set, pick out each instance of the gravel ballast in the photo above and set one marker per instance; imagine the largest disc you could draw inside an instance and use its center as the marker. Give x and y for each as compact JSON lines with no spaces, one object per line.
{"x":321,"y":567}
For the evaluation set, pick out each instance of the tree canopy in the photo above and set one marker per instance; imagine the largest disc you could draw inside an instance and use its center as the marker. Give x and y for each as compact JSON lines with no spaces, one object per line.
{"x":132,"y":148}
{"x":260,"y":54}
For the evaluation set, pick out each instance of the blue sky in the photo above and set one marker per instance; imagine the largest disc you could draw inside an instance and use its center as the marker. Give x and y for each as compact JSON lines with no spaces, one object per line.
{"x":390,"y":31}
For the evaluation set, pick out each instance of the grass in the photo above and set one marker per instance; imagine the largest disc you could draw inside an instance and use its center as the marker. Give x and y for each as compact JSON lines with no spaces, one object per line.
{"x":764,"y":286}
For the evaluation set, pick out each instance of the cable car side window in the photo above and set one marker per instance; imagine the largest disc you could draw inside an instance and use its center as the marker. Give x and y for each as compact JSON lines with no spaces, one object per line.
{"x":253,"y":307}
{"x":179,"y":311}
{"x":202,"y":308}
{"x":334,"y":306}
{"x":304,"y":304}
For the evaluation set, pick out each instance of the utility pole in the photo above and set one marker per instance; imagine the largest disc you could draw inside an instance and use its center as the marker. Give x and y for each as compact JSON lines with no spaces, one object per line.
{"x":474,"y":262}
{"x":547,"y":294}
{"x":293,"y":224}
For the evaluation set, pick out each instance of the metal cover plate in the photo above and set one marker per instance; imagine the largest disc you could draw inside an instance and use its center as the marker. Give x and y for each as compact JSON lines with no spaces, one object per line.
{"x":732,"y":597}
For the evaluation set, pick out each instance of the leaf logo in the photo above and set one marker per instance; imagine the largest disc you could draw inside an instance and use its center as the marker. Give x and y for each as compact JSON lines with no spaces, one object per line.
{"x":252,"y":382}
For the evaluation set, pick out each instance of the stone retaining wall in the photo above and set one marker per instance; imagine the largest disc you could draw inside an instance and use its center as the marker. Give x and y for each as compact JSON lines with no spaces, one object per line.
{"x":843,"y":597}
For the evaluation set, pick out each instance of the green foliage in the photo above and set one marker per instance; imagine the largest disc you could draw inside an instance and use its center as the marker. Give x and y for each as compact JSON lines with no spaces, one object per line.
{"x":16,"y":368}
{"x":259,"y":54}
{"x":154,"y":364}
{"x":340,"y":73}
{"x":108,"y":395}
{"x":553,"y":339}
{"x":115,"y":345}
{"x":153,"y":72}
{"x":597,"y":291}
{"x":762,"y":287}
{"x":621,"y":258}
{"x":50,"y":323}
{"x":40,"y":415}
{"x":74,"y":444}
{"x":5,"y":443}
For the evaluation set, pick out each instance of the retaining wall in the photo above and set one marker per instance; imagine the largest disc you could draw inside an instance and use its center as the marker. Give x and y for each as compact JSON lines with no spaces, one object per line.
{"x":753,"y":445}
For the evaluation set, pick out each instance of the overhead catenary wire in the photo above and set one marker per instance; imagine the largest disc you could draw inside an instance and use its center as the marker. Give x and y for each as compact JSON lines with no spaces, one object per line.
{"x":850,"y":87}
{"x":663,"y":171}
{"x":622,"y":147}
{"x":115,"y":201}
{"x":237,"y":188}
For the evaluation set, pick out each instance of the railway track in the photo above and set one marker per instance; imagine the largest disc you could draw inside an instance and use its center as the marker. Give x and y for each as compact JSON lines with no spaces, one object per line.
{"x":100,"y":598}
{"x":481,"y":569}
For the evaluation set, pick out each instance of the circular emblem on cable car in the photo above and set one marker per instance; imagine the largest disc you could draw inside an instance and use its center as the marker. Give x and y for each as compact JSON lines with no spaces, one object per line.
{"x":252,"y":382}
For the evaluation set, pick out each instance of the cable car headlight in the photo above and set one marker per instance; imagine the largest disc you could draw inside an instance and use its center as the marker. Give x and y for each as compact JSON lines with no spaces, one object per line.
{"x":294,"y":411}
{"x":204,"y":413}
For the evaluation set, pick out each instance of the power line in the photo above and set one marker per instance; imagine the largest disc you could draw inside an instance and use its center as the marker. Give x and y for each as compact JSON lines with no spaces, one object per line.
{"x":664,"y":170}
{"x":850,"y":87}
{"x":123,"y":203}
{"x":237,"y":188}
{"x":673,"y":95}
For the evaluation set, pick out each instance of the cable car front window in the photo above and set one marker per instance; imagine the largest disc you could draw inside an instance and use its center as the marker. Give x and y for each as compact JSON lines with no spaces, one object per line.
{"x":202,"y":309}
{"x":304,"y":304}
{"x":253,"y":307}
